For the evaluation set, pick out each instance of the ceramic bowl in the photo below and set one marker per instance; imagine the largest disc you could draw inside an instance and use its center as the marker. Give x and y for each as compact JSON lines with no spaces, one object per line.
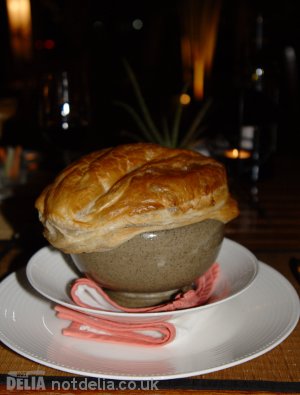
{"x":52,"y":273}
{"x":152,"y":267}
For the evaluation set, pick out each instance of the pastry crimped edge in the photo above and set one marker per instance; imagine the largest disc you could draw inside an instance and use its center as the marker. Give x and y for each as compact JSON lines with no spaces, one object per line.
{"x":109,"y":196}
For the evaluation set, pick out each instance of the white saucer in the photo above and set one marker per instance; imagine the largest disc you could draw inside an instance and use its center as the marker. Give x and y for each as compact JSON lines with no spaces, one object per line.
{"x":51,"y":273}
{"x":242,"y":329}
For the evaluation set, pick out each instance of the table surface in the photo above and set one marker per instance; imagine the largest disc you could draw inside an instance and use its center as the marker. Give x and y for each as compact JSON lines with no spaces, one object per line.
{"x":270,"y":227}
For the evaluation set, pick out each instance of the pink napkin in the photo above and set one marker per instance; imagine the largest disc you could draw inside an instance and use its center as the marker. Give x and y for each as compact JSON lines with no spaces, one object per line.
{"x":86,"y":293}
{"x":89,"y":327}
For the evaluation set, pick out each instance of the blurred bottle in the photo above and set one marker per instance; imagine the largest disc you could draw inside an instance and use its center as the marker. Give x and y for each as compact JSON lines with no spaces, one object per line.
{"x":258,"y":104}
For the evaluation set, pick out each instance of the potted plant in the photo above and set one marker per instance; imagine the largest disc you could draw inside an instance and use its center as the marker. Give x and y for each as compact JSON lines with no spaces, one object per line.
{"x":168,"y":135}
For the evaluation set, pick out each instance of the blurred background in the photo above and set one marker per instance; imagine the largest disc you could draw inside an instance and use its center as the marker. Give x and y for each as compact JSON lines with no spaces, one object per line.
{"x":240,"y":54}
{"x":217,"y":76}
{"x":80,"y":75}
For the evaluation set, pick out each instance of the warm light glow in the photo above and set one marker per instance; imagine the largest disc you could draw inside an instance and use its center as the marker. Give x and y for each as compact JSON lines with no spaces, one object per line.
{"x":20,"y":26}
{"x":185,"y":99}
{"x":237,"y":154}
{"x":200,"y":27}
{"x":198,"y":82}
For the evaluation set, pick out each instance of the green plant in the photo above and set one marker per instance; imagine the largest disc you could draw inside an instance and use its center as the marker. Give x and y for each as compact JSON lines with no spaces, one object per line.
{"x":148,"y":130}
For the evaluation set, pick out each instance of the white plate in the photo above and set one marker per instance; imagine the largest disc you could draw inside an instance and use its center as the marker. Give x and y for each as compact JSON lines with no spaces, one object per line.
{"x":51,"y":274}
{"x":243,"y":328}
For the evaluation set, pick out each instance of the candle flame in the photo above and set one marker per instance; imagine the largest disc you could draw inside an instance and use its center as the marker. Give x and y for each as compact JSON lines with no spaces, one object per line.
{"x":237,"y":154}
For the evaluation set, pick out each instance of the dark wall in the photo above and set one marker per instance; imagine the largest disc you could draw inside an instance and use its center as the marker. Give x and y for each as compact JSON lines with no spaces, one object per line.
{"x":94,"y":35}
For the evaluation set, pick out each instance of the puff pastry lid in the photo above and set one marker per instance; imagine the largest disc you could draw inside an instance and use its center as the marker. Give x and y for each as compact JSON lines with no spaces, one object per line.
{"x":109,"y":196}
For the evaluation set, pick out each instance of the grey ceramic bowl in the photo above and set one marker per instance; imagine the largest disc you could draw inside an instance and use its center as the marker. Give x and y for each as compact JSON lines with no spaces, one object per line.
{"x":152,"y":267}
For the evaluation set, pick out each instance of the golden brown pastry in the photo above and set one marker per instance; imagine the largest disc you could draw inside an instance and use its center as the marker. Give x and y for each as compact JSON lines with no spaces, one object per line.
{"x":109,"y":196}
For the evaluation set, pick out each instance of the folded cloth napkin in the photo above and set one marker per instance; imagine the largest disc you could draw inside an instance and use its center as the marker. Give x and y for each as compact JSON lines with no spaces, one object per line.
{"x":100,"y":329}
{"x":155,"y":332}
{"x":86,"y":293}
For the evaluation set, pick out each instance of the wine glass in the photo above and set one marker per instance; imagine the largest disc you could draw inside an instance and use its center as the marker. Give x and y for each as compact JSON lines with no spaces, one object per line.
{"x":64,"y":113}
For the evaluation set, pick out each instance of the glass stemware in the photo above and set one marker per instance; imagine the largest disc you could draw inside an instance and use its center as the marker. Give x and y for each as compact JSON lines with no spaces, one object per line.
{"x":64,"y":113}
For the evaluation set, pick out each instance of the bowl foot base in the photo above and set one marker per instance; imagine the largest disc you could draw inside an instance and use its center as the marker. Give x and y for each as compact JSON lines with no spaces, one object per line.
{"x":146,"y":299}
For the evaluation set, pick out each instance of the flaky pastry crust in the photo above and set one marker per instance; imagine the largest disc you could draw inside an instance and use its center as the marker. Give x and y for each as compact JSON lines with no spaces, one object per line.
{"x":109,"y":196}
